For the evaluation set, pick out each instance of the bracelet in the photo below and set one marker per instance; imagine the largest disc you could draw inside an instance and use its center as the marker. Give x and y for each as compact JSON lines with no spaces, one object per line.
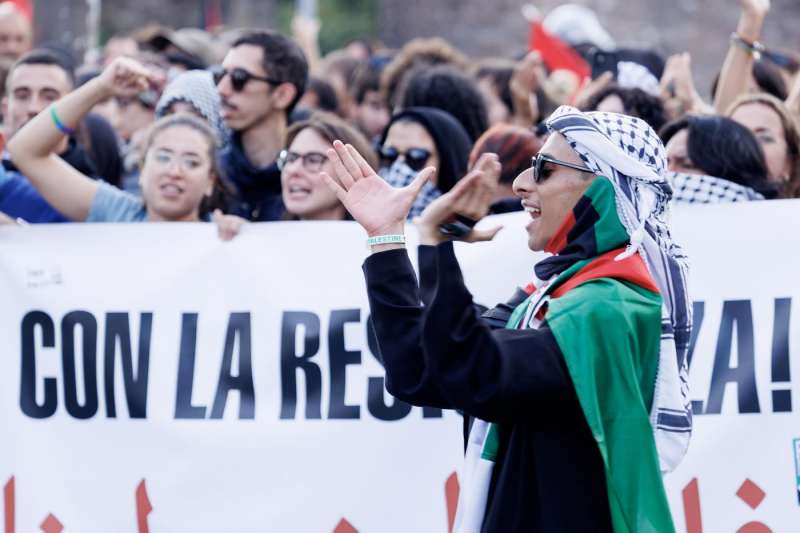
{"x":386,"y":239}
{"x":66,"y":130}
{"x":755,"y":48}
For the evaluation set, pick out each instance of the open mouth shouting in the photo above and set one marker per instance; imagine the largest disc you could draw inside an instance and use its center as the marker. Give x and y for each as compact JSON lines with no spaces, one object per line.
{"x":170,"y":190}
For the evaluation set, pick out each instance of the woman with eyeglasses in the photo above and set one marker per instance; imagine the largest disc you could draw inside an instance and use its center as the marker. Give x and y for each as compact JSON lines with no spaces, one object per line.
{"x":305,"y":195}
{"x":179,"y":175}
{"x":419,"y":137}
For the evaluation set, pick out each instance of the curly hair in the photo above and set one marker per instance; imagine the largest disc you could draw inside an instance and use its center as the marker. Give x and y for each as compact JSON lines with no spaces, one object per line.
{"x":447,"y":88}
{"x":417,"y":52}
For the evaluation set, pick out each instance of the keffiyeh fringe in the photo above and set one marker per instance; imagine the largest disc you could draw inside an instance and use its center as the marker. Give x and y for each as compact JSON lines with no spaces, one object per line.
{"x":628,"y":152}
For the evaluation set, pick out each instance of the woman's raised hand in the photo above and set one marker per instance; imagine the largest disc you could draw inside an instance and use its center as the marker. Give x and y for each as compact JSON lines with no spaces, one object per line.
{"x":470,"y":197}
{"x":380,"y":208}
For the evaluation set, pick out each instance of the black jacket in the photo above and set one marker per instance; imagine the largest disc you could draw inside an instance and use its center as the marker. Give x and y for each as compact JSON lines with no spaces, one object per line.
{"x":258,"y":190}
{"x":548,"y":475}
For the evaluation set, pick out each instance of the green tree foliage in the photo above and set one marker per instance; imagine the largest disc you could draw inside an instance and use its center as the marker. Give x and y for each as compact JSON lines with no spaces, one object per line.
{"x":341,"y":21}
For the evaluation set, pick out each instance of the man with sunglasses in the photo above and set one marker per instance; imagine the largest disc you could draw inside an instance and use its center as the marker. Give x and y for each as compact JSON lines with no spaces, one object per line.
{"x":574,"y":392}
{"x":260,"y":80}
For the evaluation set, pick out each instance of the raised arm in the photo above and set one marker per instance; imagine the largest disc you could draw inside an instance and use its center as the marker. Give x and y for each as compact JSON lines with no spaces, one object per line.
{"x":498,"y":375}
{"x":793,"y":100}
{"x":305,"y":31}
{"x":678,"y":91}
{"x":394,"y":295}
{"x":32,"y":149}
{"x":739,"y":62}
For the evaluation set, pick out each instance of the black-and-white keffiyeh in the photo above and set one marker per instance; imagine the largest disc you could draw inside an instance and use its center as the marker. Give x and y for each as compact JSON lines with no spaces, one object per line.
{"x":701,"y":189}
{"x":399,"y":174}
{"x":629,"y":153}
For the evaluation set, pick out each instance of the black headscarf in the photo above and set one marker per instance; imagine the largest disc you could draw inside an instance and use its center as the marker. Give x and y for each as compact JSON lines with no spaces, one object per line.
{"x":451,"y":140}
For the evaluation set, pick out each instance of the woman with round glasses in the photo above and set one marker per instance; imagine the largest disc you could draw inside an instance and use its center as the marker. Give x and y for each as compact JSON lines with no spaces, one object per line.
{"x":305,"y":195}
{"x":179,"y":176}
{"x":419,"y":137}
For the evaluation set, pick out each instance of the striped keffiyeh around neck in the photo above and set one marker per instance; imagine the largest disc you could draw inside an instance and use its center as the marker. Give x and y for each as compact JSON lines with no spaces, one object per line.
{"x":701,"y":189}
{"x":631,"y":159}
{"x":627,"y":151}
{"x":400,"y":175}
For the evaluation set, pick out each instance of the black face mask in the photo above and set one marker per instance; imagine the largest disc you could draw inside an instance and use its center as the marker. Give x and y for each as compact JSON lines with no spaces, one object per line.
{"x":506,"y":205}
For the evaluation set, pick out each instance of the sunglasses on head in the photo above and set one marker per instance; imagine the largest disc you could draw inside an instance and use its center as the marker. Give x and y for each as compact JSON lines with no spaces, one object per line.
{"x":415,"y":157}
{"x":239,"y":77}
{"x":540,"y":173}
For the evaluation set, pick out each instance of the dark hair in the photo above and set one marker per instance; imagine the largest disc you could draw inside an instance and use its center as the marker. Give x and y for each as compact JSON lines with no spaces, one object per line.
{"x":635,"y":103}
{"x":45,"y":56}
{"x":326,"y":96}
{"x":366,"y":78}
{"x":417,"y":53}
{"x":723,"y":148}
{"x":783,"y":58}
{"x":768,"y":78}
{"x":447,"y":88}
{"x":281,"y":58}
{"x":499,"y":72}
{"x":514,"y":146}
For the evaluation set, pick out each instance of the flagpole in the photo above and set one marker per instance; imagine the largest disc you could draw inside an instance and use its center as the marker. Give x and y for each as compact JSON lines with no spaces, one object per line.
{"x":93,"y":31}
{"x":307,"y":8}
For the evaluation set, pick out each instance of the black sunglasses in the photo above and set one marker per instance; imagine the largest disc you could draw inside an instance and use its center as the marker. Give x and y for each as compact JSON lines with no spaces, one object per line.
{"x":239,"y":77}
{"x":538,"y":162}
{"x":415,"y":157}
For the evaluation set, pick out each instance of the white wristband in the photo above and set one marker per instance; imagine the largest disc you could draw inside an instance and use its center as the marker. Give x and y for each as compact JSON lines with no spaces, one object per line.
{"x":386,"y":239}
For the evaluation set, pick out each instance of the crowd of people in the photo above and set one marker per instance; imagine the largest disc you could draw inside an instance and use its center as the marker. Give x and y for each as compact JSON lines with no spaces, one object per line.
{"x":233,"y":126}
{"x":577,"y":386}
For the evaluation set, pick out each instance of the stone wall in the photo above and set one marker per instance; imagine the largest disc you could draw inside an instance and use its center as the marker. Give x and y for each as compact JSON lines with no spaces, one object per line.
{"x":64,"y":21}
{"x":480,"y":28}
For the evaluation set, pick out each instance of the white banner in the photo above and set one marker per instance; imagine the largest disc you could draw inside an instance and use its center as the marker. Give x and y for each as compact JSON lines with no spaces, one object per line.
{"x":157,"y":379}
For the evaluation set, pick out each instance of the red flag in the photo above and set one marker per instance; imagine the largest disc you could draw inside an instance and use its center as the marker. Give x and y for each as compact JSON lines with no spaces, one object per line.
{"x":25,"y":7}
{"x":213,"y":15}
{"x":555,"y":53}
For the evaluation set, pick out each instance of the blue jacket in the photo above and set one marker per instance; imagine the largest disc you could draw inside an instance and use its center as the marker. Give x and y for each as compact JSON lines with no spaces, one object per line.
{"x":19,"y":199}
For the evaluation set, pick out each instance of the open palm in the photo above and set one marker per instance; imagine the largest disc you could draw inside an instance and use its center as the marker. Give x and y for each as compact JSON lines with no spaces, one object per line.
{"x":380,"y":208}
